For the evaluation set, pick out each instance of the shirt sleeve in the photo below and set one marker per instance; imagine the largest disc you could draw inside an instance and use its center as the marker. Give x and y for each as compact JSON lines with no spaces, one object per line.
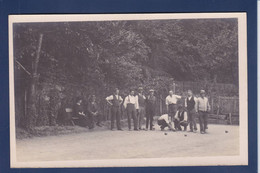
{"x":166,"y":101}
{"x":126,"y":101}
{"x":136,"y":102}
{"x":109,"y":98}
{"x":120,"y":98}
{"x":167,"y":119}
{"x":185,"y":103}
{"x":185,"y":116}
{"x":176,"y":115}
{"x":177,"y":96}
{"x":196,"y":104}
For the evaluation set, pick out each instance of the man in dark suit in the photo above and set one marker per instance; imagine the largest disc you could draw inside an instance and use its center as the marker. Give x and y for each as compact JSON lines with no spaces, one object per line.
{"x":80,"y":114}
{"x":93,"y":113}
{"x":191,"y":107}
{"x":150,"y":109}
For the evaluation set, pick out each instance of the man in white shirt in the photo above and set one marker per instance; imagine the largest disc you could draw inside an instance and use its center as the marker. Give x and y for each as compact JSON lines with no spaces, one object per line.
{"x":171,"y":103}
{"x":115,"y":101}
{"x":131,"y":105}
{"x":203,"y":108}
{"x":181,"y":119}
{"x":164,"y":121}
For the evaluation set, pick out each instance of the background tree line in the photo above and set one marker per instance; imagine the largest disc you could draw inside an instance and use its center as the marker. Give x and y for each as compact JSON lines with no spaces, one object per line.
{"x":82,"y":58}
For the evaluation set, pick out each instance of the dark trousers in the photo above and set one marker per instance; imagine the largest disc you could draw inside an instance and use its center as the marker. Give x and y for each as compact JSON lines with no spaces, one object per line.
{"x":162,"y":124}
{"x":140,"y":117}
{"x":149,"y":117}
{"x":203,"y":118}
{"x":131,"y":113}
{"x":93,"y":119}
{"x":82,"y":121}
{"x":178,"y":124}
{"x":115,"y":114}
{"x":191,"y":119}
{"x":172,"y":109}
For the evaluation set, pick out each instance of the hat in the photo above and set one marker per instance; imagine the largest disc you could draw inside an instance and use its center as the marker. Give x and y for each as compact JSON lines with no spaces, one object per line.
{"x":140,"y":88}
{"x":202,"y":91}
{"x":151,"y":90}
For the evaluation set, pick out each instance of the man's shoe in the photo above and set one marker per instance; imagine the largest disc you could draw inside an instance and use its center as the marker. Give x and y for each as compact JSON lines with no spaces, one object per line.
{"x":120,"y":129}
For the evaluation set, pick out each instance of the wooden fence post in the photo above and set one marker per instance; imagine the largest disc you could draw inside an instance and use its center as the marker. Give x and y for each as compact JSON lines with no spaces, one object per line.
{"x":212,"y":105}
{"x":218,"y":105}
{"x":160,"y":104}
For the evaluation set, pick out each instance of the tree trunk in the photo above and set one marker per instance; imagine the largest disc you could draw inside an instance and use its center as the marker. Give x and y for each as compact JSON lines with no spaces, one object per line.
{"x":32,"y":110}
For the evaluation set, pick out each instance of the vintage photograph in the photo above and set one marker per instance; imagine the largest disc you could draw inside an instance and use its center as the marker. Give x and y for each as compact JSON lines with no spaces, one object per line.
{"x":121,"y":90}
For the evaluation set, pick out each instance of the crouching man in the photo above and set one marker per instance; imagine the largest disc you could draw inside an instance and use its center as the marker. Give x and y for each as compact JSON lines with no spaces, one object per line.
{"x":181,"y":119}
{"x":163,"y":121}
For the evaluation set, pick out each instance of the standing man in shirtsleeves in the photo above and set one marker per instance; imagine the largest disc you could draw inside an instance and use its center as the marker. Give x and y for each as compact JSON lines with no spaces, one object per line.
{"x":171,"y":104}
{"x":141,"y":112}
{"x":191,"y":107}
{"x":115,"y":101}
{"x":150,"y":109}
{"x":203,"y":108}
{"x":131,"y":105}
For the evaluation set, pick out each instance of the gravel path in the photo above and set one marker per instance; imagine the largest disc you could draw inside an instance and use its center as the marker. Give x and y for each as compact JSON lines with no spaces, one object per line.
{"x":105,"y":144}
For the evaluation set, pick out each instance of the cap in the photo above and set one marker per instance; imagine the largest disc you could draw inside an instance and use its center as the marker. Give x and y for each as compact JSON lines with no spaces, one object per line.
{"x":140,"y":88}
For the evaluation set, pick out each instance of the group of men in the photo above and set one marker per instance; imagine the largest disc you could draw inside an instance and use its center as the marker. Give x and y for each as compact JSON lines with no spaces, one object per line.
{"x":138,"y":106}
{"x":184,"y":116}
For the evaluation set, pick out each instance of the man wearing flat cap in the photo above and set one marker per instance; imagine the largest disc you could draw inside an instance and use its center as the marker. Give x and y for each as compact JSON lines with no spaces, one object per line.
{"x":150,"y":109}
{"x":203,"y":108}
{"x":141,"y":111}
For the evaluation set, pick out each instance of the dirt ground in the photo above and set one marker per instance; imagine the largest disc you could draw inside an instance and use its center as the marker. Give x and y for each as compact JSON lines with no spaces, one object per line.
{"x":106,"y":144}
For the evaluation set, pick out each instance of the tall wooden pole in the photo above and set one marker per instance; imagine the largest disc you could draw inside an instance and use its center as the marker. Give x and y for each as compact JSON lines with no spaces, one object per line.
{"x":32,"y":112}
{"x":174,"y":85}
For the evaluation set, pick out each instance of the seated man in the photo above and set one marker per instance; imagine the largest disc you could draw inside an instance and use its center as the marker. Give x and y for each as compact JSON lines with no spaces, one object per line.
{"x":93,"y":114}
{"x":80,"y":114}
{"x":181,"y":119}
{"x":163,"y":121}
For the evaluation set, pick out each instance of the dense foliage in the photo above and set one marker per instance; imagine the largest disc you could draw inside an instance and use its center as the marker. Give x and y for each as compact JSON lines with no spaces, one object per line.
{"x":79,"y":58}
